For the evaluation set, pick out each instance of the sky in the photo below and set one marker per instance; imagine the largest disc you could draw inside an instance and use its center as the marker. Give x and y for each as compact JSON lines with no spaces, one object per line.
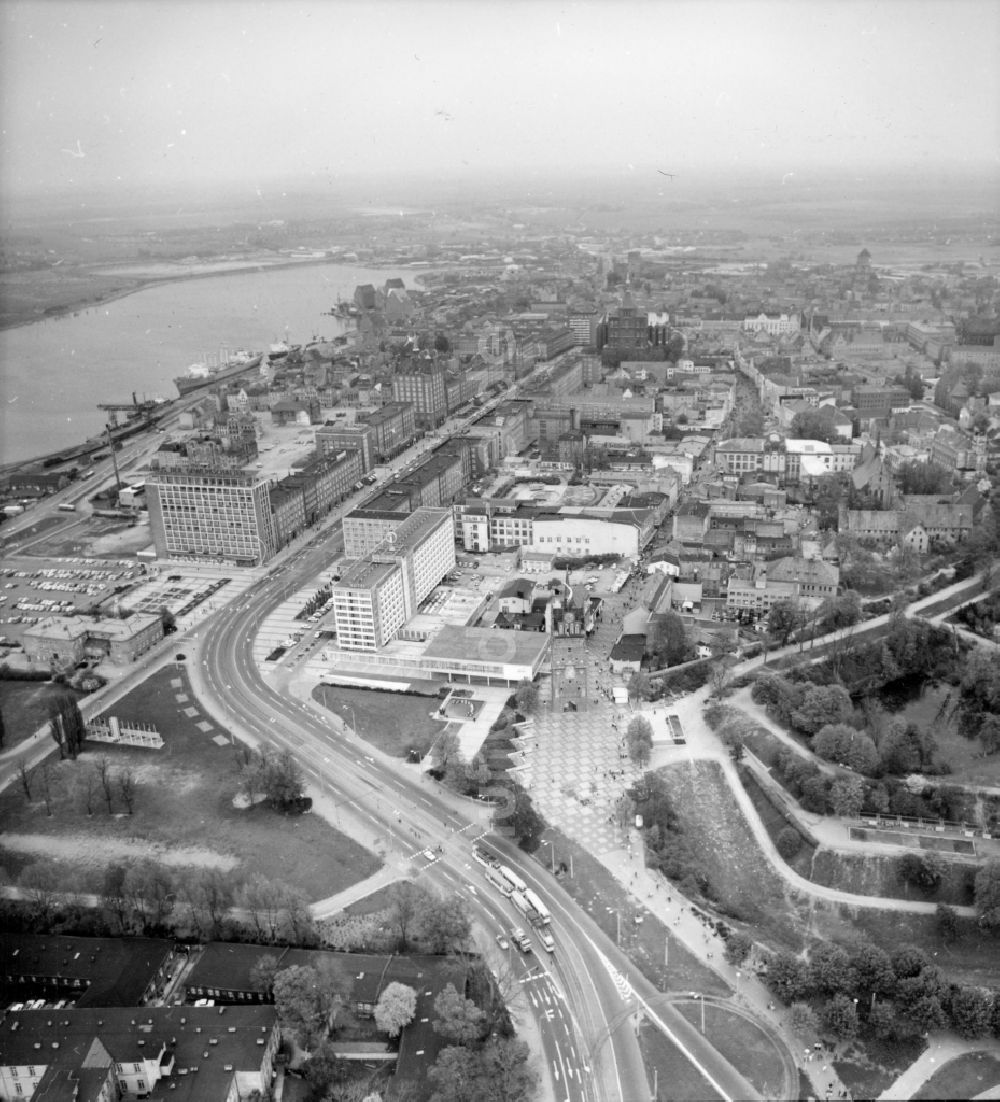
{"x":150,"y":92}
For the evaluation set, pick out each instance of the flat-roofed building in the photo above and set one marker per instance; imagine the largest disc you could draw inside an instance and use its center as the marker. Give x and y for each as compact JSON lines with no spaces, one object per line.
{"x":406,"y":557}
{"x":70,"y":641}
{"x":423,"y":385}
{"x":208,"y":514}
{"x":334,"y":438}
{"x":393,"y":429}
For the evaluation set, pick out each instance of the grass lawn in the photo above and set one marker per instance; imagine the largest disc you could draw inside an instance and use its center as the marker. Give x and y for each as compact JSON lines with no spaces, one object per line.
{"x":25,"y":707}
{"x":677,"y":1078}
{"x":183,"y":805}
{"x":742,"y":879}
{"x":391,"y":722}
{"x":379,"y":900}
{"x":869,"y":1069}
{"x":602,"y":897}
{"x":964,"y":1077}
{"x":745,"y":1045}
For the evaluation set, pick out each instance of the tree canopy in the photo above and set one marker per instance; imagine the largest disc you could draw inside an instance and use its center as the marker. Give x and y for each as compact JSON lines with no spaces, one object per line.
{"x":395,"y":1008}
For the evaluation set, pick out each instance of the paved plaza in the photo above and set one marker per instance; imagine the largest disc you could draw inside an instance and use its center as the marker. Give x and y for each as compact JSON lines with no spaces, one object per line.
{"x":576,"y":766}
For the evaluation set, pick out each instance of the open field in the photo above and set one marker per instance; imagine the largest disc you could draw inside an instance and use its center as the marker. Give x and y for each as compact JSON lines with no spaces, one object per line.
{"x":676,"y":1076}
{"x":964,"y":1077}
{"x":184,"y":801}
{"x":25,"y":707}
{"x":603,"y":898}
{"x":391,"y":722}
{"x":745,"y":1045}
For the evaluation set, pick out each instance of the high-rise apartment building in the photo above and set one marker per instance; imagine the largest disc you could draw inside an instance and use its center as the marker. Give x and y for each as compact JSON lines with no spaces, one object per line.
{"x":423,"y":385}
{"x":211,"y":514}
{"x":376,"y":595}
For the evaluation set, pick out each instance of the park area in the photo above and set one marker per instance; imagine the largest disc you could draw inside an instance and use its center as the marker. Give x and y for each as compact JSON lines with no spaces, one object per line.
{"x":184,"y":810}
{"x":392,"y":722}
{"x":25,"y":707}
{"x":965,"y":1077}
{"x":741,"y":1041}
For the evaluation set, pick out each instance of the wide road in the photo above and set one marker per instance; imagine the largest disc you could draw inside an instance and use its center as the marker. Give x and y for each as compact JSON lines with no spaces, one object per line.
{"x":586,"y":992}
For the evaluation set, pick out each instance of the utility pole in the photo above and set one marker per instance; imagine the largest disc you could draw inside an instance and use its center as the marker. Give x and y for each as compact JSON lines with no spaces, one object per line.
{"x":114,"y":460}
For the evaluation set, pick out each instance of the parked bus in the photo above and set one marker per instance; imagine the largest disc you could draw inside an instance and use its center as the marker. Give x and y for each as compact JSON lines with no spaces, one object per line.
{"x":539,"y":907}
{"x":513,"y":878}
{"x":67,"y":507}
{"x":496,"y":877}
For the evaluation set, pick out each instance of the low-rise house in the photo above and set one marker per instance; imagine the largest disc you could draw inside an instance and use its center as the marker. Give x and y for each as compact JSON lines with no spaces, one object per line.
{"x":72,"y":640}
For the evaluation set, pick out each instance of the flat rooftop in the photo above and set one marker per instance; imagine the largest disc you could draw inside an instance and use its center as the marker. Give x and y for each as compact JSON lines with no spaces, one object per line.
{"x":520,"y":648}
{"x":362,"y":574}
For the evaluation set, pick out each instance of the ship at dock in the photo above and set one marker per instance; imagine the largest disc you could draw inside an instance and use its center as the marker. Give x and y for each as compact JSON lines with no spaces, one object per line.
{"x":213,"y":370}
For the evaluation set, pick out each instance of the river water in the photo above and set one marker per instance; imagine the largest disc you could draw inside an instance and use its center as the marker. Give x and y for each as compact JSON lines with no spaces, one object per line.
{"x":54,"y":372}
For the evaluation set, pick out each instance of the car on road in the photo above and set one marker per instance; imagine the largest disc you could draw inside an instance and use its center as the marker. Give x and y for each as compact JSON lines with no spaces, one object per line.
{"x":502,"y":942}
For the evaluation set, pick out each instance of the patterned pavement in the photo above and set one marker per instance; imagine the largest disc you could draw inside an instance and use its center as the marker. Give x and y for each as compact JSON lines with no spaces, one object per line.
{"x":576,"y":768}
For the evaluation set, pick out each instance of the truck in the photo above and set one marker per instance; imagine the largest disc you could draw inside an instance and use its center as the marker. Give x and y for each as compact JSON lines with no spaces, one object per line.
{"x":521,"y":940}
{"x":521,"y":903}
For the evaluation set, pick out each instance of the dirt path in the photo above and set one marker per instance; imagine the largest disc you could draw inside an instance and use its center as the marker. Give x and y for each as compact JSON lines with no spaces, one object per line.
{"x":98,"y":851}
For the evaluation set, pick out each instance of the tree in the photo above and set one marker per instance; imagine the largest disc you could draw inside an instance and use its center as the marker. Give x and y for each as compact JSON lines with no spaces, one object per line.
{"x":909,"y":962}
{"x":87,"y":789}
{"x":814,"y":425}
{"x":105,"y":778}
{"x":828,"y":969}
{"x":847,"y":795}
{"x":987,"y":895}
{"x":395,"y":1008}
{"x":66,"y":725}
{"x":526,"y":697}
{"x":718,"y":678}
{"x":640,"y":686}
{"x":307,"y":999}
{"x":263,"y":974}
{"x":507,"y":1071}
{"x":788,"y":843}
{"x":784,"y":619}
{"x":668,"y":640}
{"x":126,"y":787}
{"x":919,"y":477}
{"x":407,"y":901}
{"x":518,"y":818}
{"x":971,"y":1011}
{"x":149,"y":887}
{"x":3,"y":731}
{"x":822,"y":705}
{"x":738,"y":948}
{"x":24,"y":776}
{"x":639,"y":738}
{"x":114,"y":895}
{"x":788,"y":977}
{"x":882,"y":1019}
{"x":947,"y":923}
{"x":43,"y":775}
{"x":840,"y":1017}
{"x":39,"y":884}
{"x":168,"y":620}
{"x":847,"y":746}
{"x":924,"y":870}
{"x":446,"y":747}
{"x":458,"y":1019}
{"x":282,"y":782}
{"x":455,"y":1075}
{"x":445,"y":924}
{"x":324,"y":1070}
{"x":872,"y":971}
{"x":804,"y":1022}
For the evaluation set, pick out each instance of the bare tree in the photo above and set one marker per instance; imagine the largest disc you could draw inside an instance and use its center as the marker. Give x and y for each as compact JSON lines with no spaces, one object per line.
{"x":407,"y":903}
{"x":44,"y":775}
{"x":87,"y":787}
{"x":106,"y":779}
{"x":38,"y":882}
{"x":25,"y":777}
{"x":126,"y":787}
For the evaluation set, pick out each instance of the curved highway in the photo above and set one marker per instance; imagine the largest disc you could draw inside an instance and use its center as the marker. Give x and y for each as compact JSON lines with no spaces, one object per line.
{"x":585,"y":995}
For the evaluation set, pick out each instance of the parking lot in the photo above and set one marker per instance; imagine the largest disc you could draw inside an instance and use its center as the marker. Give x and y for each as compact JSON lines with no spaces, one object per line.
{"x":62,"y":587}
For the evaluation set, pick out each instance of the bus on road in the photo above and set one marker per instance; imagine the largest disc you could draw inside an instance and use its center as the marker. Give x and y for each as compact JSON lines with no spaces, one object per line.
{"x":538,"y":906}
{"x":513,"y":878}
{"x":496,"y":877}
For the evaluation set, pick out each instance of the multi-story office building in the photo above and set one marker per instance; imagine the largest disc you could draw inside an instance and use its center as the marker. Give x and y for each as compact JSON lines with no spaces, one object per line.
{"x":393,"y":429}
{"x":210,"y":514}
{"x":423,"y":385}
{"x":333,"y":438}
{"x":377,"y":595}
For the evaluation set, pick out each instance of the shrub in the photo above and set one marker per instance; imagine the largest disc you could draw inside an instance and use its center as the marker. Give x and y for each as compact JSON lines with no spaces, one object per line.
{"x":788,"y":842}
